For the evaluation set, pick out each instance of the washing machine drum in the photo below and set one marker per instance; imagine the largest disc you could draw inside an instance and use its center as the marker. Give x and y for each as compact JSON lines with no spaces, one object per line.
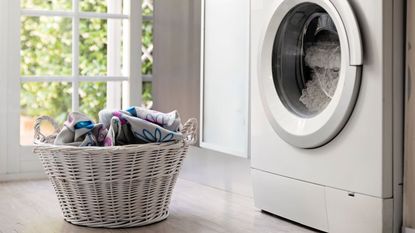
{"x":309,"y":70}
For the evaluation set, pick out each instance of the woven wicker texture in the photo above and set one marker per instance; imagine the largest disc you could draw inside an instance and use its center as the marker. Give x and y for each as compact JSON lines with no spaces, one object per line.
{"x":113,"y":187}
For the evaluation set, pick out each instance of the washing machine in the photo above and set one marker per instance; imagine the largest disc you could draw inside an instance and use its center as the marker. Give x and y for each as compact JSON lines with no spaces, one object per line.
{"x":326,"y":122}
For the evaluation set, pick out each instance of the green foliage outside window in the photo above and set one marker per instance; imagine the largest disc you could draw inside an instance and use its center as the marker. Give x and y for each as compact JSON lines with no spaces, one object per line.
{"x":47,"y":4}
{"x":41,"y":98}
{"x":146,"y":40}
{"x":46,"y":49}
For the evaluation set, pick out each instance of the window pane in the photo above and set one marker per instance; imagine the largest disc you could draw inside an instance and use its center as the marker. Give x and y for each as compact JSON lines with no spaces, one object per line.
{"x":42,"y":98}
{"x":147,"y":48}
{"x":98,"y":39}
{"x":102,"y":6}
{"x":93,"y":47}
{"x":93,"y":5}
{"x":92,"y":98}
{"x":147,"y":7}
{"x":46,"y":45}
{"x":147,"y":94}
{"x":47,"y":5}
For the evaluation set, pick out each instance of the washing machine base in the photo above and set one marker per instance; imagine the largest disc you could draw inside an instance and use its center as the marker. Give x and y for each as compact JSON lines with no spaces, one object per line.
{"x":323,"y":208}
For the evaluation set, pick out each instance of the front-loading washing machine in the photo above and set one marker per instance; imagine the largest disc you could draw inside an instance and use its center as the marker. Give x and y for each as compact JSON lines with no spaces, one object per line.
{"x":327,"y":112}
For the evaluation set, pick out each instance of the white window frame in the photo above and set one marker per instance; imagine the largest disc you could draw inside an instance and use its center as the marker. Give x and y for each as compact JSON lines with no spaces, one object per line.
{"x":17,"y":161}
{"x":131,"y":12}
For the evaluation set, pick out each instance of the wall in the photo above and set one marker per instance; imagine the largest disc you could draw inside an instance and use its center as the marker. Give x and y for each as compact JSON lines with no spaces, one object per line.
{"x":218,"y":170}
{"x":176,"y":54}
{"x":3,"y":82}
{"x":409,"y":176}
{"x":9,"y":82}
{"x":176,"y":85}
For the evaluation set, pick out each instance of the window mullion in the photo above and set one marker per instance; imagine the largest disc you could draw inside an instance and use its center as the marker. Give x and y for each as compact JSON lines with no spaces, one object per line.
{"x":75,"y":56}
{"x":114,"y":55}
{"x":70,"y":14}
{"x":132,"y":54}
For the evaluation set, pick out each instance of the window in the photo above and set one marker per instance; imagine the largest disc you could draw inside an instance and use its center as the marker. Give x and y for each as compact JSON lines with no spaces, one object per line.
{"x":83,"y":55}
{"x":147,"y":51}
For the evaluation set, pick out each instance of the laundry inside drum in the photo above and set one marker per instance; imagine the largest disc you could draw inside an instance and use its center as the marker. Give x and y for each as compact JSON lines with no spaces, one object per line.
{"x":321,"y":47}
{"x":323,"y":60}
{"x":306,"y":60}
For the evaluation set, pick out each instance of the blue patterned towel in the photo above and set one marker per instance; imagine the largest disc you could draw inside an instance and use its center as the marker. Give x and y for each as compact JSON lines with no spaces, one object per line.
{"x":80,"y":130}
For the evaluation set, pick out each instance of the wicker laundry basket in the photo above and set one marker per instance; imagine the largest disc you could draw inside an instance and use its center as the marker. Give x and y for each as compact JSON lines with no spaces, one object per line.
{"x":113,"y":187}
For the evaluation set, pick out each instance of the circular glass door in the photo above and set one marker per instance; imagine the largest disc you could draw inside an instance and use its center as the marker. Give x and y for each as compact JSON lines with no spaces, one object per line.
{"x":308,"y":82}
{"x":306,"y":60}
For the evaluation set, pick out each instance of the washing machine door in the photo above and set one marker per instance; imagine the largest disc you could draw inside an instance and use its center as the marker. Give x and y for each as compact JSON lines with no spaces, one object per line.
{"x":309,"y":70}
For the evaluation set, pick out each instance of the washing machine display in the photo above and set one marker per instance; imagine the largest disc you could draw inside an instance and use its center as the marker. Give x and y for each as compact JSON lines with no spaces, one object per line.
{"x":309,"y":74}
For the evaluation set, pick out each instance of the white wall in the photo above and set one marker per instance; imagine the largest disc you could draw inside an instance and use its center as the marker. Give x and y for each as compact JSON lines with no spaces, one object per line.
{"x":176,"y":72}
{"x":219,"y":170}
{"x":3,"y":83}
{"x":9,"y":75}
{"x":176,"y":67}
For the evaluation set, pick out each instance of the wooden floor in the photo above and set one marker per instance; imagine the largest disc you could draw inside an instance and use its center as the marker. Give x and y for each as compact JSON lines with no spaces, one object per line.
{"x":31,"y":207}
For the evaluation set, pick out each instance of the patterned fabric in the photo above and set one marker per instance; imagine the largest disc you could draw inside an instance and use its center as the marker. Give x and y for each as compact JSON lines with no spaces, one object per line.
{"x":140,"y":125}
{"x":79,"y":130}
{"x":134,"y":125}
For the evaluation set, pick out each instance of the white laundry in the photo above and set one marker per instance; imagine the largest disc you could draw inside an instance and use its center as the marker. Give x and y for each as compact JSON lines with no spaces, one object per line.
{"x":323,"y":58}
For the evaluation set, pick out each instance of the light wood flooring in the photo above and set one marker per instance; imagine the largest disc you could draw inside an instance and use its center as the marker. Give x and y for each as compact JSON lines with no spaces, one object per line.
{"x":31,"y":207}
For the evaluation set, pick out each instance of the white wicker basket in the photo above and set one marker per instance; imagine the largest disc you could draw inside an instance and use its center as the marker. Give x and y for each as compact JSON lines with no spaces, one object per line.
{"x":113,"y":187}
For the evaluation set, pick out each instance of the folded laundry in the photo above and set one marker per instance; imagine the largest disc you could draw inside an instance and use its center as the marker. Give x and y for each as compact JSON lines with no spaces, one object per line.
{"x":120,"y":127}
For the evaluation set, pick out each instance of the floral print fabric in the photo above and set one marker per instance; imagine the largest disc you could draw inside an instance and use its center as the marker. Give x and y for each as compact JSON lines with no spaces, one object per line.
{"x":134,"y":125}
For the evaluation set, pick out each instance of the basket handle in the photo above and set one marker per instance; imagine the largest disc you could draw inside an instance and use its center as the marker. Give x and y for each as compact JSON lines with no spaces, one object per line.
{"x":190,"y":131}
{"x":39,"y":136}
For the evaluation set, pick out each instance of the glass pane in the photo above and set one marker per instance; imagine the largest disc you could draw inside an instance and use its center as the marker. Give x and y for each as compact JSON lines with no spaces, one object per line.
{"x":102,"y":6}
{"x":306,"y":60}
{"x":93,"y":47}
{"x":147,"y":94}
{"x":147,"y":48}
{"x":98,"y":39}
{"x":92,"y":98}
{"x":46,"y":45}
{"x":147,"y":7}
{"x":93,"y":5}
{"x":47,"y":5}
{"x":42,"y":98}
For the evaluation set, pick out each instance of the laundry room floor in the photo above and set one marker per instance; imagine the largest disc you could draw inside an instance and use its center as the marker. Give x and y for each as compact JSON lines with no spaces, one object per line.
{"x":31,"y":207}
